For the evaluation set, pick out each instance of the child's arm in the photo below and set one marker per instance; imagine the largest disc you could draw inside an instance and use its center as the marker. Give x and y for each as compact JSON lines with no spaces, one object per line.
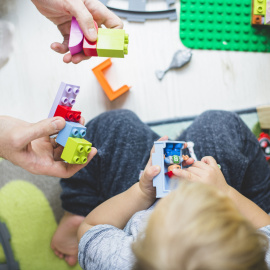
{"x":119,"y":209}
{"x":208,"y":172}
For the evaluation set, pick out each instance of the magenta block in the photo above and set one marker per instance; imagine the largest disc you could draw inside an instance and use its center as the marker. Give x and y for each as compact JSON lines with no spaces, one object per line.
{"x":75,"y":43}
{"x":65,"y":96}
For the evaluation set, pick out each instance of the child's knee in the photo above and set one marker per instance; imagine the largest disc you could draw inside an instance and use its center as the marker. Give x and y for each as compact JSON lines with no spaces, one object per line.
{"x":218,"y":117}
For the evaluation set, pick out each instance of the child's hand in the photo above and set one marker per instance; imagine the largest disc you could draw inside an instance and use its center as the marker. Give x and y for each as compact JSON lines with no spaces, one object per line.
{"x":204,"y":171}
{"x":146,"y":180}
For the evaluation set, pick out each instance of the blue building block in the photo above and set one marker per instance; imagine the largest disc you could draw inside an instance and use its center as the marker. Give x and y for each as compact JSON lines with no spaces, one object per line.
{"x":65,"y":96}
{"x":72,"y":129}
{"x":162,"y":182}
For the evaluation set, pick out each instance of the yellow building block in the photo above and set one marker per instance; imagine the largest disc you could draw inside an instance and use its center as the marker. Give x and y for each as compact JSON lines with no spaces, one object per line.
{"x":112,"y":42}
{"x":76,"y":151}
{"x":259,"y":7}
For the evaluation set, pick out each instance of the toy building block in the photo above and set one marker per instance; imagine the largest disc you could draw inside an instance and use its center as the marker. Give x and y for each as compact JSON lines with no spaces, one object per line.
{"x":112,"y":43}
{"x":162,"y":181}
{"x":264,"y":116}
{"x":67,"y":113}
{"x":65,"y":96}
{"x":259,"y":7}
{"x":111,"y":94}
{"x":264,"y":141}
{"x":76,"y":151}
{"x":75,"y":43}
{"x":257,"y":20}
{"x":71,"y":129}
{"x":260,"y":12}
{"x":90,"y":48}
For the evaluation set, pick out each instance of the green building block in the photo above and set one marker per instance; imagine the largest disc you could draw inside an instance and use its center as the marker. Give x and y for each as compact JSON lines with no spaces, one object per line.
{"x":259,"y":7}
{"x":76,"y":151}
{"x":221,"y":25}
{"x":112,"y":43}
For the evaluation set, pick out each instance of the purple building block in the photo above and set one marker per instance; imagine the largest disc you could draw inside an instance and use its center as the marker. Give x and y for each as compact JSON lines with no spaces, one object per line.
{"x":65,"y":96}
{"x":72,"y":129}
{"x":75,"y":43}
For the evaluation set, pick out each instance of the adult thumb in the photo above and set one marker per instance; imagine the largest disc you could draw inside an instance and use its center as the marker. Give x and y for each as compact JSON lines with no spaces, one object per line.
{"x":43,"y":128}
{"x":78,"y":9}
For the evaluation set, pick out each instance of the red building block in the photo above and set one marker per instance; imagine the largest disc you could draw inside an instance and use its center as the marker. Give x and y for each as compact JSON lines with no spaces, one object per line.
{"x":90,"y":48}
{"x":67,"y":113}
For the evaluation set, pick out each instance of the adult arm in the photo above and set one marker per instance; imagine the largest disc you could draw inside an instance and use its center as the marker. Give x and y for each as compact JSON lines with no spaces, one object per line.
{"x":30,"y":146}
{"x":60,"y":12}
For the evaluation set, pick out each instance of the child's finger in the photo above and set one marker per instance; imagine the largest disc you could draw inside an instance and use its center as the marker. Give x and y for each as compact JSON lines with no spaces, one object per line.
{"x":188,"y":162}
{"x":210,"y":161}
{"x":201,"y":165}
{"x":196,"y":171}
{"x":184,"y":175}
{"x":150,"y":172}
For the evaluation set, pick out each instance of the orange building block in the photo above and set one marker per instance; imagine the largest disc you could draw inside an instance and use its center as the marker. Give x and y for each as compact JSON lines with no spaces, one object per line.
{"x":111,"y":94}
{"x":256,"y":20}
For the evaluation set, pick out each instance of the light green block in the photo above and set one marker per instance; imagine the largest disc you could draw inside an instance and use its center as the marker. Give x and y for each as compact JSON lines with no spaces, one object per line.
{"x":259,"y":7}
{"x":76,"y":151}
{"x":112,"y":43}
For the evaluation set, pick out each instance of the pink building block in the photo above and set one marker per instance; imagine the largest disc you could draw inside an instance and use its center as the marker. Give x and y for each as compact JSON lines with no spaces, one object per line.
{"x":90,"y":48}
{"x":75,"y":43}
{"x":65,"y":96}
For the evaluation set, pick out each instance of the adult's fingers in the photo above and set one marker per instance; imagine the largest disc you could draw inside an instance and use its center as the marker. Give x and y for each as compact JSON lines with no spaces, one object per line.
{"x":41,"y":129}
{"x":64,"y":29}
{"x":102,"y":15}
{"x":78,"y":9}
{"x":65,"y":170}
{"x":76,"y":58}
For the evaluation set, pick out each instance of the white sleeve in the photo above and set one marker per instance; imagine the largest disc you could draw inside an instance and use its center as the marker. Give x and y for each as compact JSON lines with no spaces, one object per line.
{"x":266,"y":231}
{"x":106,"y":247}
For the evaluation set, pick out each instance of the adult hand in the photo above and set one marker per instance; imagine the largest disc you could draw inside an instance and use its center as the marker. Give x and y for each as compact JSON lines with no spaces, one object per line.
{"x":30,"y":146}
{"x":146,"y":180}
{"x":60,"y":12}
{"x":205,"y":171}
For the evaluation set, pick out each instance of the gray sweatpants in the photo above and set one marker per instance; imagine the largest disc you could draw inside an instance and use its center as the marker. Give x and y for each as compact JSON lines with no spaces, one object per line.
{"x":124,"y":143}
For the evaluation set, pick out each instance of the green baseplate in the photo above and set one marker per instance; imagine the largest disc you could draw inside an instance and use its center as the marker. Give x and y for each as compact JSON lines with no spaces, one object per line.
{"x":221,"y":25}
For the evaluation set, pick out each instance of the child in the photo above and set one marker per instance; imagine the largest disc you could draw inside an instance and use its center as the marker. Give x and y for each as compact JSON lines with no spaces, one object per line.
{"x":124,"y":143}
{"x":195,"y":227}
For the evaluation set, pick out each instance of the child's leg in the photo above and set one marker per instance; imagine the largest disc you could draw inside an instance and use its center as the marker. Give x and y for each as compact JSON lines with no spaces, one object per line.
{"x":124,"y":143}
{"x":225,"y":136}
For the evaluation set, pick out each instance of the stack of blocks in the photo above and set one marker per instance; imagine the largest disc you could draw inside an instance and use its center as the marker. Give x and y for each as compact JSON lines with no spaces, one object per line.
{"x":110,"y":42}
{"x":260,"y":12}
{"x":76,"y":149}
